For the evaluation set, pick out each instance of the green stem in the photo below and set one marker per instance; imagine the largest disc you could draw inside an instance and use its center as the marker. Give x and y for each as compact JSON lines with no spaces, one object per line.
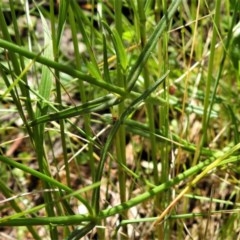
{"x":149,"y":105}
{"x":206,"y":112}
{"x":86,"y":117}
{"x":61,"y":67}
{"x":121,"y":134}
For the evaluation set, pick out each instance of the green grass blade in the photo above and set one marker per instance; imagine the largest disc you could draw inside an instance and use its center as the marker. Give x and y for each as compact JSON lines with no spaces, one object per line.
{"x":62,"y":67}
{"x":60,"y":220}
{"x":45,"y":86}
{"x":80,"y":18}
{"x":210,"y":69}
{"x":62,"y":16}
{"x":118,"y":46}
{"x":79,"y":233}
{"x":150,"y":45}
{"x":86,"y":108}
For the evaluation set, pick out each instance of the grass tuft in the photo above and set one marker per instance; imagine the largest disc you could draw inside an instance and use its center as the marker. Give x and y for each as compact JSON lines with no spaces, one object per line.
{"x":119,"y":119}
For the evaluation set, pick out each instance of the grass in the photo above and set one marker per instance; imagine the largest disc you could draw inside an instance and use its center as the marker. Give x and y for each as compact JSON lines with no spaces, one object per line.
{"x":129,"y":130}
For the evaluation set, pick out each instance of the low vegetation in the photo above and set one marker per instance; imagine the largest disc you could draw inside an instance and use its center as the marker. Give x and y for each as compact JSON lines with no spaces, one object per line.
{"x":119,"y":119}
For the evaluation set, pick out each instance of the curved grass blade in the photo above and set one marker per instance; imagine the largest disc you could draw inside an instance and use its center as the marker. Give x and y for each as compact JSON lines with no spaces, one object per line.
{"x":94,"y":105}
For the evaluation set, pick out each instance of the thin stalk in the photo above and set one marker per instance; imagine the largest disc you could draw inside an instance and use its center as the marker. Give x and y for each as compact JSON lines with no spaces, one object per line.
{"x":56,"y":41}
{"x":195,"y":30}
{"x":86,"y":117}
{"x":38,"y":139}
{"x":56,"y":36}
{"x":163,"y":230}
{"x":59,"y":220}
{"x":13,"y":48}
{"x":84,"y":99}
{"x":120,"y":136}
{"x":121,"y":133}
{"x":206,"y":112}
{"x":149,"y":105}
